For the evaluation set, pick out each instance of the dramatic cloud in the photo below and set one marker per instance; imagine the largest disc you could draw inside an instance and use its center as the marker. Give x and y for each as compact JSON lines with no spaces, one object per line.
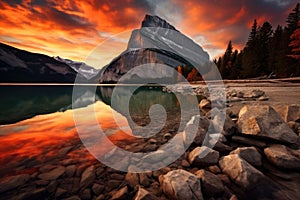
{"x":73,"y":28}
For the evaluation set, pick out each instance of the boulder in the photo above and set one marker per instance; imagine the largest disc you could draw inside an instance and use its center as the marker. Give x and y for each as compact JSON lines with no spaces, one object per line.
{"x":250,"y":154}
{"x":199,"y":125}
{"x":222,"y":122}
{"x":203,"y":156}
{"x":240,"y":171}
{"x":263,"y":121}
{"x":283,"y":157}
{"x":288,"y":112}
{"x":87,"y":177}
{"x":143,"y":194}
{"x":180,"y":184}
{"x":13,"y":182}
{"x":211,"y":184}
{"x":53,"y":174}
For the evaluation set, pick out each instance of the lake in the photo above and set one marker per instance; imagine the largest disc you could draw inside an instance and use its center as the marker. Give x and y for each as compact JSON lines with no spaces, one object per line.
{"x":40,"y":124}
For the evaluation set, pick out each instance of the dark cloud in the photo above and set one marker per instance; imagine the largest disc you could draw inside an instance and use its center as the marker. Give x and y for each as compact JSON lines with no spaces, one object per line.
{"x":13,"y":3}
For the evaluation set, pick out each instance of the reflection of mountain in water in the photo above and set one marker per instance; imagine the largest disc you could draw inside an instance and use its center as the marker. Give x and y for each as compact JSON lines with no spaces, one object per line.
{"x":22,"y":102}
{"x":141,"y":101}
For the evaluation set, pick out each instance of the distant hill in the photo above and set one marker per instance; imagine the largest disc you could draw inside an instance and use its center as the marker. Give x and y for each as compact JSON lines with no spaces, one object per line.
{"x":20,"y":66}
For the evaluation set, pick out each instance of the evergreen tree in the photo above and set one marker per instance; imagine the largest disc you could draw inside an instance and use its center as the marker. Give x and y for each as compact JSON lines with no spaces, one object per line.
{"x":252,"y":35}
{"x":293,"y":18}
{"x":226,"y":61}
{"x":250,"y":55}
{"x":263,"y":46}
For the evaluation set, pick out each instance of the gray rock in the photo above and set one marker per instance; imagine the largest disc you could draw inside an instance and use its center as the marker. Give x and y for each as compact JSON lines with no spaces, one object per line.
{"x":240,"y":171}
{"x":143,"y":194}
{"x":203,"y":156}
{"x":283,"y":157}
{"x":250,"y":154}
{"x":210,"y":183}
{"x":265,"y":122}
{"x":180,"y":184}
{"x":13,"y":182}
{"x":87,"y":177}
{"x":53,"y":174}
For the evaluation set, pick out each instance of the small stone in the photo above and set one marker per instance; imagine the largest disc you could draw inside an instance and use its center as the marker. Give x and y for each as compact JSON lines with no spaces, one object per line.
{"x":185,"y":163}
{"x":46,"y":168}
{"x":53,"y":174}
{"x":144,"y":180}
{"x":100,"y":197}
{"x":117,"y":176}
{"x":86,"y":194}
{"x":87,"y":177}
{"x":132,"y":179}
{"x":263,"y":98}
{"x":52,"y":186}
{"x":75,"y":197}
{"x":211,"y":184}
{"x":60,"y":192}
{"x":204,"y":103}
{"x":214,"y":169}
{"x":70,"y":170}
{"x":143,"y":194}
{"x":97,"y":188}
{"x":112,"y":184}
{"x":13,"y":182}
{"x":41,"y":182}
{"x":121,"y":194}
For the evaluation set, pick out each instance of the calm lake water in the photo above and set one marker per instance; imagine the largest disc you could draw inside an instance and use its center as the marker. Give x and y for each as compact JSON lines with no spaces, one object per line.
{"x":38,"y":125}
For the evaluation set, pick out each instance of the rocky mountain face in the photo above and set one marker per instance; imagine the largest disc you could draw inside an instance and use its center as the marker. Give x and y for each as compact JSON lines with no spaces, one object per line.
{"x":19,"y":66}
{"x":156,"y":43}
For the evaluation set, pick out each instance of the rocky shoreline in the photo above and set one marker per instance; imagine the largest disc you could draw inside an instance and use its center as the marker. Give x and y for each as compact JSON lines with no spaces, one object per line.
{"x":257,"y":156}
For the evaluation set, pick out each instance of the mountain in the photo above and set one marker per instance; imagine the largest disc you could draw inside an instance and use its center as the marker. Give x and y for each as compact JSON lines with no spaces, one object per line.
{"x":19,"y":66}
{"x":156,"y":43}
{"x":80,"y":67}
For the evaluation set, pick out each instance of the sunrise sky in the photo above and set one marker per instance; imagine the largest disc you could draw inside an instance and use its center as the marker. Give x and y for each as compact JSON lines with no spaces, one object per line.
{"x":73,"y":28}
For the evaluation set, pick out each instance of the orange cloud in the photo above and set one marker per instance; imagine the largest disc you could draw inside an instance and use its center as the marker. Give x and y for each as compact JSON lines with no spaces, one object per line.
{"x":73,"y":28}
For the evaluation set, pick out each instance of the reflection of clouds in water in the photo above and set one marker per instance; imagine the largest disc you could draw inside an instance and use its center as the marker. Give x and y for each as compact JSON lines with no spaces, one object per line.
{"x":43,"y":136}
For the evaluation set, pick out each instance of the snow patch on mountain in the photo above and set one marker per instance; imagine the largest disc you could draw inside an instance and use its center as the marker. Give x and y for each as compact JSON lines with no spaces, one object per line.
{"x":80,"y":67}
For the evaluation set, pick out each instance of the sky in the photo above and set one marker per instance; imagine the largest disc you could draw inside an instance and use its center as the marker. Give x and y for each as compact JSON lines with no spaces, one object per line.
{"x":74,"y":28}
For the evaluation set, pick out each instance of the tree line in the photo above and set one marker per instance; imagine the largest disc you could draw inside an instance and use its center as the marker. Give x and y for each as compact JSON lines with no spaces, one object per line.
{"x":268,"y":52}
